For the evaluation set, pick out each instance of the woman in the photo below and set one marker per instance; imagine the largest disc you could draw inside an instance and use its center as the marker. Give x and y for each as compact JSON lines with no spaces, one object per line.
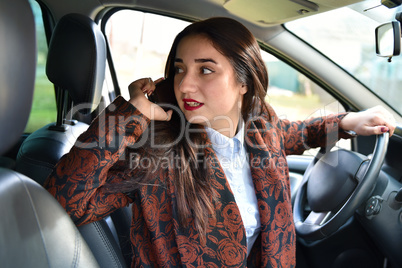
{"x":205,"y":170}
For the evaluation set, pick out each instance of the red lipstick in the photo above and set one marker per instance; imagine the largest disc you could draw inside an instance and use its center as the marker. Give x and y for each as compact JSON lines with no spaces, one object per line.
{"x":191,"y":105}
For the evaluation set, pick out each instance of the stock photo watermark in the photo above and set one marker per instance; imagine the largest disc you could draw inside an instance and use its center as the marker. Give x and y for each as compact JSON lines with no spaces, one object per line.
{"x":112,"y":133}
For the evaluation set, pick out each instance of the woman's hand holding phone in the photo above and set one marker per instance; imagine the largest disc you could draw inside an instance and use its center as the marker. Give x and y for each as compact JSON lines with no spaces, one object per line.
{"x":138,"y":89}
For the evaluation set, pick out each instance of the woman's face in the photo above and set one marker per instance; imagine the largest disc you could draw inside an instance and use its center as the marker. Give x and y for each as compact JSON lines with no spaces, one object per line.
{"x":206,"y":87}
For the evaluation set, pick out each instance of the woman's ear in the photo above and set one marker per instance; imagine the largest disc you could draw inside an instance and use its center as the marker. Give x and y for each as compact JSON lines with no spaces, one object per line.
{"x":243,"y":89}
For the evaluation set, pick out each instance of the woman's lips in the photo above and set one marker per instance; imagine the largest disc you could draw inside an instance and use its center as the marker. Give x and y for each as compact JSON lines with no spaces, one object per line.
{"x":191,"y":105}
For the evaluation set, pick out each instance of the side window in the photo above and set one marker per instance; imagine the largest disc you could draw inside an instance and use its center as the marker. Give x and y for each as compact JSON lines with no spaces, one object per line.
{"x":44,"y":102}
{"x":295,"y":97}
{"x":140,"y":43}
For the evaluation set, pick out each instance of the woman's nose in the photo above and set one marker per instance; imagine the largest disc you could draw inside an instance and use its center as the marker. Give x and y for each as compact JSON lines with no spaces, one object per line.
{"x":186,"y":83}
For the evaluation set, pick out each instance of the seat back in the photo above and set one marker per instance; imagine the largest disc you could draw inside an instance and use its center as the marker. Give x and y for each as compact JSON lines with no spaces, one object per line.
{"x":17,"y":61}
{"x":35,"y":231}
{"x":76,"y":66}
{"x":42,"y":149}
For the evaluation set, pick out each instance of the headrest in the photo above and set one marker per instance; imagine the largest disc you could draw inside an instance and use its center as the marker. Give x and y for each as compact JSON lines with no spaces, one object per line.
{"x":77,"y":58}
{"x":17,"y":69}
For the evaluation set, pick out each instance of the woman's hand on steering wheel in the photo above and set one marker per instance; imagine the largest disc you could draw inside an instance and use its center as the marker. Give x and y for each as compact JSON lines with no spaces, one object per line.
{"x":373,"y":121}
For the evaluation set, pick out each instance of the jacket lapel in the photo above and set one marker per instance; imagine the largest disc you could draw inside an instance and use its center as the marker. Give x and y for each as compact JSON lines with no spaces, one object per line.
{"x":269,"y":173}
{"x":228,"y":225}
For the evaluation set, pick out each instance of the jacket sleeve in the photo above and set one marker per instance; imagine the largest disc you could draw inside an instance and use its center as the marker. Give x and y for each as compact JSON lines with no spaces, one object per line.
{"x":299,"y":136}
{"x":78,"y":180}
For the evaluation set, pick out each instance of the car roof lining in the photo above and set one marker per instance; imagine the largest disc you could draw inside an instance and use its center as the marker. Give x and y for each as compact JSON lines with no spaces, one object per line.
{"x":260,"y":13}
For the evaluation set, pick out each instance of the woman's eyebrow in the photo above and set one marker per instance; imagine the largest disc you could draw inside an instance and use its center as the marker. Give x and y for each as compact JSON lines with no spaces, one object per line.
{"x":197,"y":60}
{"x":205,"y":60}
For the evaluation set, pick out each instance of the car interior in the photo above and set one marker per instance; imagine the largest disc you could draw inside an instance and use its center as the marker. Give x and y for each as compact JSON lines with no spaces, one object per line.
{"x":62,"y":62}
{"x":35,"y":232}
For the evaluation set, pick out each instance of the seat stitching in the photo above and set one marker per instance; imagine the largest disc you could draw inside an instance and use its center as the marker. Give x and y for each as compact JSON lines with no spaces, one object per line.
{"x":36,"y":216}
{"x":108,"y":245}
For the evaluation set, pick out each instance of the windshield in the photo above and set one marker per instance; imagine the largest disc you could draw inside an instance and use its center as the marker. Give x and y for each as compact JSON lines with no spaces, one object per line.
{"x":347,"y":37}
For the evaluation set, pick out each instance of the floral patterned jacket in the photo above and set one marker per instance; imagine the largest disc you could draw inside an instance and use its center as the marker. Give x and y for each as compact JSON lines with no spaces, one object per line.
{"x":158,"y":241}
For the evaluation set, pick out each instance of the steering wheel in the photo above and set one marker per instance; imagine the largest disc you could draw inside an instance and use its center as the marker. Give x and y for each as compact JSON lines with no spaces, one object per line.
{"x":334,"y":186}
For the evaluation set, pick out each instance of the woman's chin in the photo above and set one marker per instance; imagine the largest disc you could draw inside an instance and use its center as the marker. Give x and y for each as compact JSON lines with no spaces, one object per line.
{"x":198,"y":121}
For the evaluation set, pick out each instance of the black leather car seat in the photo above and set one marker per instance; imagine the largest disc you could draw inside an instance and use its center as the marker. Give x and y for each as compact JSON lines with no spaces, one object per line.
{"x":35,"y":231}
{"x":76,"y":66}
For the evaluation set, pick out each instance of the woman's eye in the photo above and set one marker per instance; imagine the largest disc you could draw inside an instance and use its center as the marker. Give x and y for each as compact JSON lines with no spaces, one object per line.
{"x":206,"y":70}
{"x":178,"y":70}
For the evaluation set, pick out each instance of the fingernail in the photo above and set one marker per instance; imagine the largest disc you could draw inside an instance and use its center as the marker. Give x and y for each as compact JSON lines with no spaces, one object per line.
{"x":384,"y":129}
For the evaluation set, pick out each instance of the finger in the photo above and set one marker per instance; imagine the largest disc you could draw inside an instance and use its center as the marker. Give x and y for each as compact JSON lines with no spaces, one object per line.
{"x":141,"y":84}
{"x":388,"y":122}
{"x":377,"y":130}
{"x":159,"y":80}
{"x":391,"y":126}
{"x":137,"y":86}
{"x":156,"y":82}
{"x":146,"y":81}
{"x":149,"y":86}
{"x":169,"y":115}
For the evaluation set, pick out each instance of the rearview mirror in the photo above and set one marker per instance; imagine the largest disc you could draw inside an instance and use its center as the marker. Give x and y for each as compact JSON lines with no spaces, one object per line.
{"x":388,"y":39}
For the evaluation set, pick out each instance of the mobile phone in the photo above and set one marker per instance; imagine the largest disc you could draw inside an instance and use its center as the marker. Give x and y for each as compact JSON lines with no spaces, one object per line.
{"x":163,"y":93}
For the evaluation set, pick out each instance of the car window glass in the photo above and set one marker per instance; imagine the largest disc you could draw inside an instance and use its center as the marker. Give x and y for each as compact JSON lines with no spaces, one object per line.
{"x":347,"y":38}
{"x":44,"y":103}
{"x":140,"y":43}
{"x":296,"y":97}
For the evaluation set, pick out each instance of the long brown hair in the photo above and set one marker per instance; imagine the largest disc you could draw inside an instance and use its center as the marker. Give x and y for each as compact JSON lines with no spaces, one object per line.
{"x":194,"y":193}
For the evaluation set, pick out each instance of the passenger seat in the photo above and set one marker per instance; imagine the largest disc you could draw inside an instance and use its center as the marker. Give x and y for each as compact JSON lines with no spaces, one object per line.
{"x":35,"y":231}
{"x":76,"y":66}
